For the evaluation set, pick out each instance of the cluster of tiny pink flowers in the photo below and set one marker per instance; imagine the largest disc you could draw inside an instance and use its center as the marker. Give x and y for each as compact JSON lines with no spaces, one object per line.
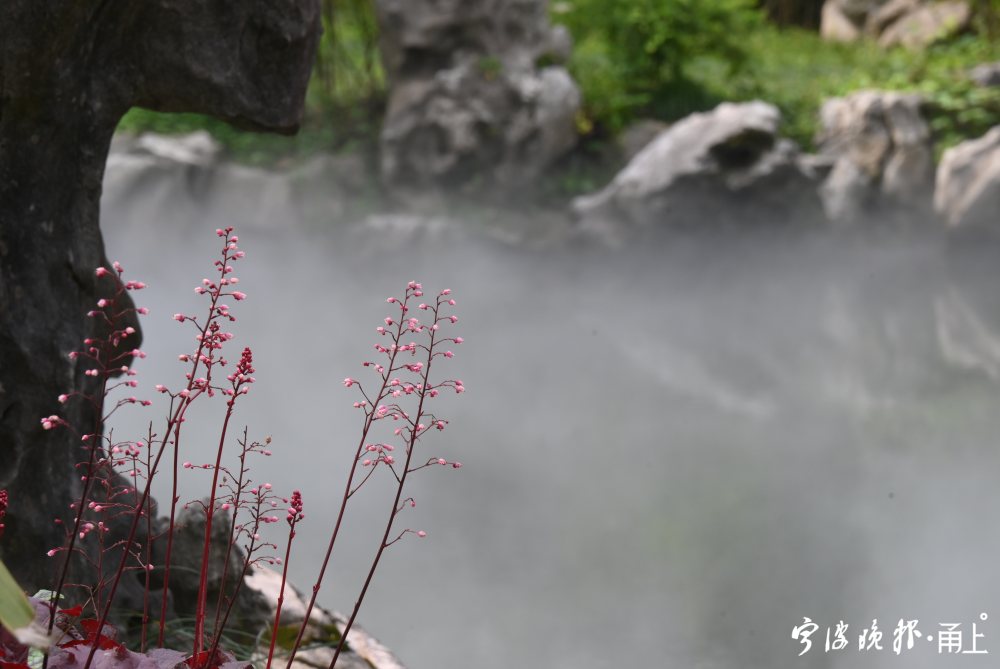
{"x":211,"y":337}
{"x":4,"y":500}
{"x":243,"y":376}
{"x":295,"y":509}
{"x":407,"y":380}
{"x":381,"y":453}
{"x":104,"y":357}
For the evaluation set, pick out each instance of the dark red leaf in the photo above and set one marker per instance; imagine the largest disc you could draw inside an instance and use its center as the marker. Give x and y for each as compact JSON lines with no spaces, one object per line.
{"x":103,"y":642}
{"x":89,"y":625}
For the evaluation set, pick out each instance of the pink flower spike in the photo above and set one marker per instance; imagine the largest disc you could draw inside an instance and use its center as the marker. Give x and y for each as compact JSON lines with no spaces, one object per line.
{"x":63,"y":398}
{"x":458,"y":340}
{"x":456,"y":465}
{"x":237,"y":295}
{"x":421,"y":534}
{"x":143,"y":311}
{"x":179,"y":318}
{"x":446,"y":291}
{"x":101,"y":271}
{"x":348,"y":382}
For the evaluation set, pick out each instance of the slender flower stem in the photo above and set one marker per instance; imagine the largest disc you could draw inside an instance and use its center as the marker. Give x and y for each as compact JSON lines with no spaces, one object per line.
{"x":369,"y":419}
{"x":202,"y":343}
{"x":294,"y":516}
{"x":98,"y":405}
{"x":410,"y":448}
{"x":238,"y":493}
{"x":199,"y":616}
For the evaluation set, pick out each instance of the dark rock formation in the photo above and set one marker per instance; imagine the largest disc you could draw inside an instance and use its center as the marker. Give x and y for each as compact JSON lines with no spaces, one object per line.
{"x":69,"y":69}
{"x":475,"y":100}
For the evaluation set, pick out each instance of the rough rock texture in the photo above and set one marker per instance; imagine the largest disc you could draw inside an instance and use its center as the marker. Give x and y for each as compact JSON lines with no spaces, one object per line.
{"x":725,"y":166}
{"x":926,"y":24}
{"x":469,"y":104}
{"x":882,"y":156}
{"x":910,"y":23}
{"x":69,"y":69}
{"x":967,"y":194}
{"x":323,"y":633}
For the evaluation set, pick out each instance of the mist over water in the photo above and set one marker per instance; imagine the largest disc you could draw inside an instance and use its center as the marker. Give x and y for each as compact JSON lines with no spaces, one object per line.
{"x":673,"y":450}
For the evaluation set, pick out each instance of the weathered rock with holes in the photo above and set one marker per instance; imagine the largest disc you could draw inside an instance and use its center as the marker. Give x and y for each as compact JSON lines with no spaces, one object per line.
{"x":882,"y":156}
{"x":910,"y":23}
{"x":726,"y":166}
{"x":69,"y":69}
{"x":470,"y":105}
{"x":967,"y":194}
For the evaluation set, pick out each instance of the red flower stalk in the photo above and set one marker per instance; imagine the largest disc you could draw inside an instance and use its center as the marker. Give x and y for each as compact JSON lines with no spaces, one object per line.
{"x":3,"y":510}
{"x":294,"y":516}
{"x":414,"y":383}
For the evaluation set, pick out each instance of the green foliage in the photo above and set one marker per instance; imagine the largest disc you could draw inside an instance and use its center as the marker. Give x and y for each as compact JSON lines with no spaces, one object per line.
{"x":668,"y":58}
{"x":796,"y":70}
{"x":15,"y":610}
{"x":634,"y":57}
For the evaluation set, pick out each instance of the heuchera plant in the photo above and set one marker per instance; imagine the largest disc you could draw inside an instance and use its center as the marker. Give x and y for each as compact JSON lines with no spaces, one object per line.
{"x":116,"y":476}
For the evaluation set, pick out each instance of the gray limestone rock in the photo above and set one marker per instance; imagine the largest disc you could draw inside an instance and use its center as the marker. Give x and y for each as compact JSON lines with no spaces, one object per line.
{"x":987,"y":74}
{"x":470,"y":105}
{"x":882,"y":155}
{"x":968,"y":185}
{"x":726,"y":166}
{"x":914,"y":24}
